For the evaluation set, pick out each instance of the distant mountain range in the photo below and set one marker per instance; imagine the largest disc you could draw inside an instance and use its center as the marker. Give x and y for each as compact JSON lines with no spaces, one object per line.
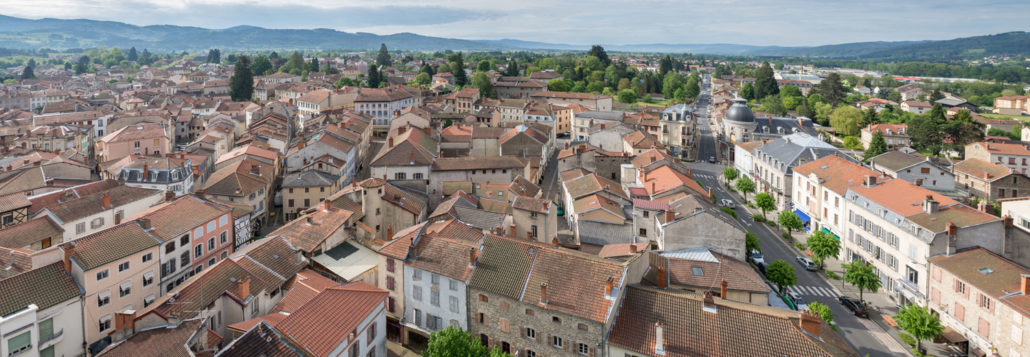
{"x":19,"y":33}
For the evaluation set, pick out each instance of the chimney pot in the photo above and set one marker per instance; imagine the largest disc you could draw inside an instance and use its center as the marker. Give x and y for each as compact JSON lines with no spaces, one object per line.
{"x":709,"y":303}
{"x":633,"y":248}
{"x":472,"y":257}
{"x":326,"y":205}
{"x":722,"y":289}
{"x":609,"y":285}
{"x":661,"y":277}
{"x":1024,"y":284}
{"x":554,"y":241}
{"x":244,"y":288}
{"x":105,"y":201}
{"x":810,"y":322}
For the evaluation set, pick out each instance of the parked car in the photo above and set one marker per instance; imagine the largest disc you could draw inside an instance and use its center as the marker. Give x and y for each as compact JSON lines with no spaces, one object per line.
{"x":726,"y":202}
{"x":711,"y":159}
{"x":855,"y":306}
{"x":756,"y":257}
{"x":807,"y":263}
{"x":799,"y":303}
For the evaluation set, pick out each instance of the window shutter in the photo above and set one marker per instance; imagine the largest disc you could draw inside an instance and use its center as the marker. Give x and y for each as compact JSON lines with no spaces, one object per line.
{"x":592,"y":351}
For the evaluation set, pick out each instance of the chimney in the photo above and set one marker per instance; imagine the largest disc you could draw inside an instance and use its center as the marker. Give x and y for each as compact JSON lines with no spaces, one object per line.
{"x":669,"y":216}
{"x":661,"y":277}
{"x":472,"y":257}
{"x":554,"y":242}
{"x":543,"y":294}
{"x":243,"y":289}
{"x":309,"y":221}
{"x":427,"y":130}
{"x":602,"y":126}
{"x":146,"y":171}
{"x":1024,"y":284}
{"x":722,"y":289}
{"x":709,"y":303}
{"x":326,"y":205}
{"x":117,"y":218}
{"x":169,"y":195}
{"x":930,"y":205}
{"x":402,"y":129}
{"x":810,"y":322}
{"x":389,"y":142}
{"x":255,"y":170}
{"x":37,"y":163}
{"x":609,"y":285}
{"x":69,"y":250}
{"x":105,"y":201}
{"x":125,"y":320}
{"x":870,"y":181}
{"x":582,"y":147}
{"x":144,"y":223}
{"x":1007,"y":221}
{"x":633,"y":248}
{"x":200,"y":194}
{"x":659,"y":339}
{"x":389,"y":232}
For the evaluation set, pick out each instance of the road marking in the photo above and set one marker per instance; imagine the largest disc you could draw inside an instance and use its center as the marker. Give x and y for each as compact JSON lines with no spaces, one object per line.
{"x":805,"y":290}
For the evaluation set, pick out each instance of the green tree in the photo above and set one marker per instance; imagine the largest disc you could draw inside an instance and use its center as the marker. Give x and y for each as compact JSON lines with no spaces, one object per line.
{"x":241,"y":84}
{"x":823,"y":246}
{"x":920,"y":322}
{"x":598,"y":51}
{"x":832,"y":89}
{"x":512,"y":69}
{"x":670,"y":83}
{"x":846,"y":119}
{"x":627,"y":96}
{"x":383,"y":57}
{"x":558,"y":85}
{"x":82,"y":65}
{"x":458,"y":70}
{"x":773,"y":105}
{"x":427,"y":69}
{"x":665,"y":65}
{"x":344,"y":81}
{"x":747,"y":91}
{"x":790,"y":91}
{"x":423,"y":78}
{"x":936,"y":95}
{"x":804,"y":109}
{"x":313,"y":66}
{"x":730,"y":174}
{"x":27,"y":73}
{"x":790,"y":221}
{"x":483,"y":66}
{"x":765,"y":82}
{"x":962,"y":130}
{"x":868,"y":117}
{"x":692,"y":88}
{"x":482,"y":82}
{"x":454,"y":341}
{"x":745,"y":186}
{"x":877,"y":146}
{"x":751,"y":242}
{"x":782,"y":274}
{"x":214,"y":56}
{"x":765,"y":202}
{"x":861,"y":275}
{"x":374,"y":77}
{"x":132,"y":56}
{"x":926,"y":130}
{"x":294,"y":65}
{"x":823,"y":311}
{"x":261,"y":65}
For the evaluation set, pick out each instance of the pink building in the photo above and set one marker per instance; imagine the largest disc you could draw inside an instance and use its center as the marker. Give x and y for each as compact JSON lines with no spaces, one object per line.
{"x":138,"y":139}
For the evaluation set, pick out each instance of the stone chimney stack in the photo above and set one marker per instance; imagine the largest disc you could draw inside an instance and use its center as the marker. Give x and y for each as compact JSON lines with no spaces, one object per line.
{"x":709,"y":303}
{"x":810,"y":322}
{"x":930,"y":205}
{"x":144,"y":223}
{"x":543,"y":294}
{"x":69,"y":251}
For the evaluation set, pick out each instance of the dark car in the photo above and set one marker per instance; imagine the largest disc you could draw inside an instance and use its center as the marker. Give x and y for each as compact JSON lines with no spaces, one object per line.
{"x":855,"y":306}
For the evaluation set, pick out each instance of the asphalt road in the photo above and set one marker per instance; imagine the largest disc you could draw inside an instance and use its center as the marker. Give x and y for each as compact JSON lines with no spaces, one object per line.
{"x":863,"y":335}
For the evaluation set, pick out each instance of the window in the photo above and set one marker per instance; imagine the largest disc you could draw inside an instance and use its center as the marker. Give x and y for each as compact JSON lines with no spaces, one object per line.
{"x":198,"y":251}
{"x":416,"y":293}
{"x":530,"y":333}
{"x":290,"y":202}
{"x":80,"y":228}
{"x":582,"y":348}
{"x":307,"y":202}
{"x":103,"y":298}
{"x":211,"y":262}
{"x":416,"y":275}
{"x":482,"y":318}
{"x":399,"y":176}
{"x":97,"y":223}
{"x":418,"y":317}
{"x":985,"y":302}
{"x":184,"y":240}
{"x":20,"y":343}
{"x":124,"y":289}
{"x":148,"y":300}
{"x":390,"y":283}
{"x":530,"y":353}
{"x":642,"y":233}
{"x":148,"y":257}
{"x":148,"y":278}
{"x":557,"y":342}
{"x":371,"y":333}
{"x":454,"y":304}
{"x":417,"y":176}
{"x":483,"y":298}
{"x":435,"y":279}
{"x":211,"y":244}
{"x":224,"y":238}
{"x":390,"y":304}
{"x":583,"y":327}
{"x":434,"y":296}
{"x":123,"y":267}
{"x":453,"y":285}
{"x":101,"y":275}
{"x":912,"y":275}
{"x":555,"y":319}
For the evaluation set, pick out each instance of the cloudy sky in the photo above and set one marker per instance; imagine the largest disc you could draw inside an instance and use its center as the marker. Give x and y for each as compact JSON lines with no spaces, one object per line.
{"x":757,"y":22}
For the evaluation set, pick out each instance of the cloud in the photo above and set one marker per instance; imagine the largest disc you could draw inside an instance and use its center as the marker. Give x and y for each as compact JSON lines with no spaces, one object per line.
{"x":757,"y":22}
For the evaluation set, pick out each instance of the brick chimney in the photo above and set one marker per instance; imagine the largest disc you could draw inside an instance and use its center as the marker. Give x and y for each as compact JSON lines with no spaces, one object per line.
{"x":670,"y":216}
{"x":402,"y":129}
{"x":1007,"y":221}
{"x":709,"y":303}
{"x":389,"y":142}
{"x":169,"y":195}
{"x":810,"y":322}
{"x":146,"y":171}
{"x":69,"y":251}
{"x":200,"y":194}
{"x":125,"y":321}
{"x":609,"y":285}
{"x":389,"y":232}
{"x":543,"y":294}
{"x":661,"y":277}
{"x":633,"y":248}
{"x":326,"y":205}
{"x":722,"y":289}
{"x":144,"y":223}
{"x":659,"y":339}
{"x":1024,"y":284}
{"x":243,"y":288}
{"x":472,"y":257}
{"x":554,"y":242}
{"x":105,"y":201}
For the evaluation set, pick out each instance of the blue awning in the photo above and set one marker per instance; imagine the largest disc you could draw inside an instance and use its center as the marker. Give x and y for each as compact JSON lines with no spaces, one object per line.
{"x":804,"y":217}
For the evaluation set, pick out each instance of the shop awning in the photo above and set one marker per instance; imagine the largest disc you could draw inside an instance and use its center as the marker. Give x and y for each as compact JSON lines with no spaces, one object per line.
{"x":827,"y":231}
{"x":804,"y":217}
{"x":953,"y":336}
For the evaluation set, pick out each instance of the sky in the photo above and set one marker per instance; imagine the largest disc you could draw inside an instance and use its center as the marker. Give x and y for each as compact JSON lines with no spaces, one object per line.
{"x":752,"y":22}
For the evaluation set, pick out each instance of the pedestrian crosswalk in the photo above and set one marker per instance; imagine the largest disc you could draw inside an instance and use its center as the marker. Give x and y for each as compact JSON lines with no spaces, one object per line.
{"x":804,"y":290}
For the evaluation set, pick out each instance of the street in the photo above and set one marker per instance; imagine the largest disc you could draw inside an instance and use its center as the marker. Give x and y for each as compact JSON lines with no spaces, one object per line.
{"x":863,"y":335}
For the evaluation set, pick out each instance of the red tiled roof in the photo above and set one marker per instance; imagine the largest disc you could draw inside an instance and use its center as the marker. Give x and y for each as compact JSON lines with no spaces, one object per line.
{"x":321,"y":324}
{"x":901,"y":197}
{"x":838,"y":173}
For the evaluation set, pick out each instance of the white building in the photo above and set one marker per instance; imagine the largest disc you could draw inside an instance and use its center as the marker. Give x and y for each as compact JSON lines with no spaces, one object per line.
{"x":382,"y":105}
{"x":819,"y":188}
{"x":88,"y":214}
{"x":41,"y":322}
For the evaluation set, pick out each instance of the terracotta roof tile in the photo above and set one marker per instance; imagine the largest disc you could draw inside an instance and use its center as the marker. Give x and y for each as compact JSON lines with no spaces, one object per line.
{"x":838,"y":173}
{"x":1001,"y":281}
{"x":900,"y":196}
{"x":111,"y":244}
{"x":322,"y":323}
{"x":309,"y":231}
{"x":45,"y":287}
{"x":35,"y":230}
{"x":173,"y":219}
{"x":171,"y":341}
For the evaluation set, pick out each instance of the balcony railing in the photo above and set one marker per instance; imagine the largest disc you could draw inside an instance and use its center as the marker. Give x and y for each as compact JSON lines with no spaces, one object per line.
{"x":43,"y":340}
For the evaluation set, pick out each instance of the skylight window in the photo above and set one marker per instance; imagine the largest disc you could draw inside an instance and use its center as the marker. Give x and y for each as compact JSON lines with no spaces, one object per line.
{"x":697,"y":271}
{"x":986,"y":270}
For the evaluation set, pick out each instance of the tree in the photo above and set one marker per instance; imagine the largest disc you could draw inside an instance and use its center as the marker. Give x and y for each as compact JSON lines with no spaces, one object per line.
{"x":926,"y":130}
{"x":846,"y":119}
{"x":765,"y":202}
{"x":804,"y":109}
{"x":962,"y":130}
{"x":481,"y":81}
{"x":423,"y":78}
{"x":876,"y":147}
{"x":82,"y":66}
{"x":790,"y":91}
{"x":730,"y":174}
{"x":214,"y":56}
{"x":823,"y":246}
{"x":920,"y":322}
{"x":313,"y":66}
{"x":427,"y":69}
{"x":773,"y":105}
{"x":458,"y":70}
{"x":628,"y":96}
{"x":132,"y":56}
{"x":261,"y":65}
{"x":294,"y":65}
{"x":765,"y":82}
{"x":745,"y":186}
{"x":831,"y":89}
{"x":483,"y":66}
{"x":751,"y":242}
{"x":665,"y":65}
{"x":861,"y":275}
{"x":823,"y":311}
{"x":782,"y":274}
{"x":27,"y":73}
{"x":747,"y":91}
{"x":790,"y":221}
{"x":692,"y":89}
{"x":598,"y":51}
{"x":454,"y":341}
{"x":383,"y":57}
{"x":512,"y":69}
{"x":374,"y":78}
{"x":241,"y":84}
{"x":936,"y":95}
{"x":868,"y":117}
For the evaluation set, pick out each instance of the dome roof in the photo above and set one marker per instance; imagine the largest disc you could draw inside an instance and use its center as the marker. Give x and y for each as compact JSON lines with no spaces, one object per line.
{"x":739,"y":112}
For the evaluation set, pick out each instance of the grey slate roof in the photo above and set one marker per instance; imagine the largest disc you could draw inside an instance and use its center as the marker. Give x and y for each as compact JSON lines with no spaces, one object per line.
{"x":597,"y":115}
{"x":897,"y":160}
{"x":797,"y":149}
{"x":478,"y":218}
{"x":309,"y":178}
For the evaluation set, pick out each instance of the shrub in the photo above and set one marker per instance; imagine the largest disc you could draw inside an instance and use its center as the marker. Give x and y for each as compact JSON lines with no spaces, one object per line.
{"x":832,"y":275}
{"x":752,"y":205}
{"x":757,"y":217}
{"x":786,"y":236}
{"x":770,"y":222}
{"x":800,"y":246}
{"x":729,"y":211}
{"x":911,"y":341}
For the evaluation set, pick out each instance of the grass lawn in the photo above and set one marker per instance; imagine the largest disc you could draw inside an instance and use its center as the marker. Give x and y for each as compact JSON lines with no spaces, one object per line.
{"x":1006,"y":117}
